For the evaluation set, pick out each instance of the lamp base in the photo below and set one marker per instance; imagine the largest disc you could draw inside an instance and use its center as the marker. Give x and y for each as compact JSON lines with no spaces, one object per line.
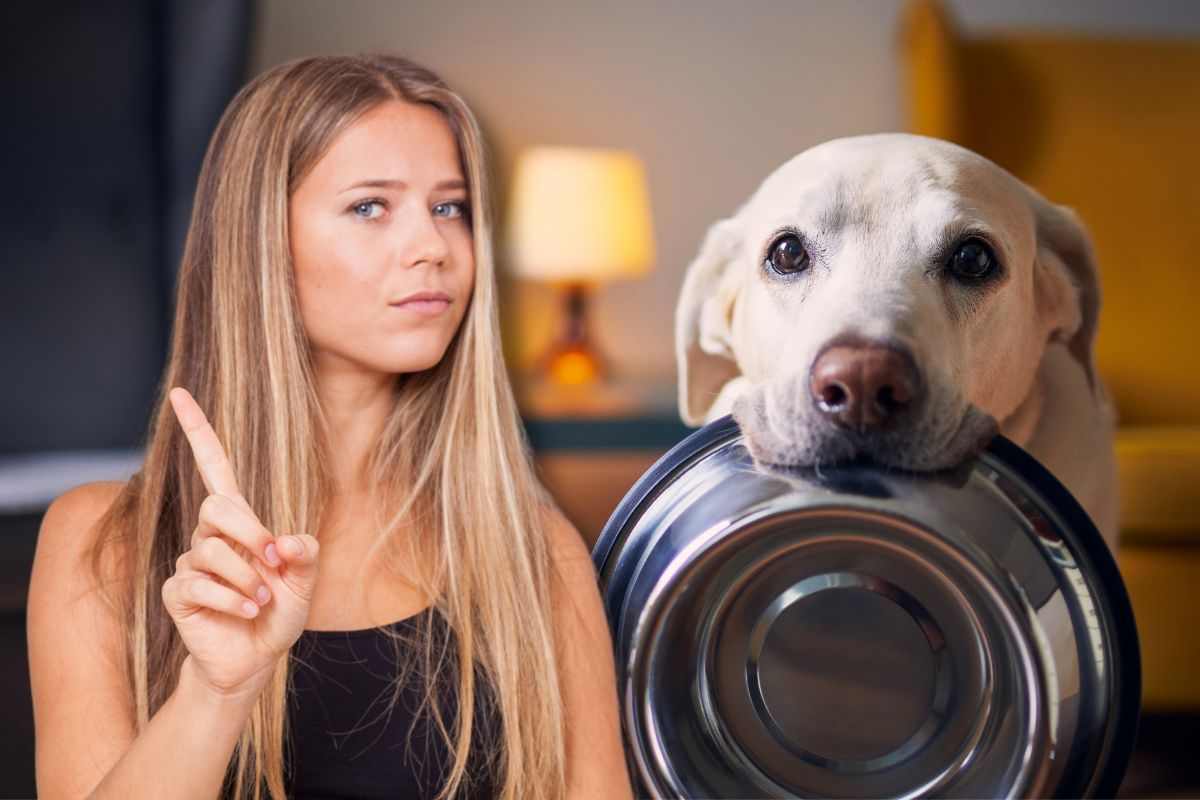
{"x":572,"y":360}
{"x":573,"y":366}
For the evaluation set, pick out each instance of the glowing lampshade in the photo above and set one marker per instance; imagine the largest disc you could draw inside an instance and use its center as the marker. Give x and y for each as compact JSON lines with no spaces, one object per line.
{"x":579,"y":215}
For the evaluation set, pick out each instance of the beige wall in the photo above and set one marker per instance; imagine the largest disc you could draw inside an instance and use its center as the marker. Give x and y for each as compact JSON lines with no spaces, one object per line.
{"x":712,"y":95}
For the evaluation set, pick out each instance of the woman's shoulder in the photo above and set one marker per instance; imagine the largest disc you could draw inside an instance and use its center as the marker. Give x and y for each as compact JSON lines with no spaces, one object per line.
{"x":573,"y":574}
{"x":75,"y":512}
{"x":88,"y":499}
{"x":565,"y":541}
{"x":68,"y":529}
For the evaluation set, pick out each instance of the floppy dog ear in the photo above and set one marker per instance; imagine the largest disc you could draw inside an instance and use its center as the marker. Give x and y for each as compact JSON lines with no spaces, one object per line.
{"x":1067,"y":282}
{"x":703,"y":317}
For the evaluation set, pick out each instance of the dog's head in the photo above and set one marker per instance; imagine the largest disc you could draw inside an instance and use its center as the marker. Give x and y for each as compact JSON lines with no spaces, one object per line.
{"x":887,"y":296}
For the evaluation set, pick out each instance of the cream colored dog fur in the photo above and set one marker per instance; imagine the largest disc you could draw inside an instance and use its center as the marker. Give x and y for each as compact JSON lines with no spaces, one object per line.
{"x":880,"y":218}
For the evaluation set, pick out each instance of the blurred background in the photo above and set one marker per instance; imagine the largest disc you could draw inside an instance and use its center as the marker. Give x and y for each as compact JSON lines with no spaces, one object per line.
{"x":665,"y":116}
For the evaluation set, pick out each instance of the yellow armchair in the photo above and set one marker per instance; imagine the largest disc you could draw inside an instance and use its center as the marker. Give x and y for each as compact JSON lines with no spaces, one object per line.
{"x":1110,"y":127}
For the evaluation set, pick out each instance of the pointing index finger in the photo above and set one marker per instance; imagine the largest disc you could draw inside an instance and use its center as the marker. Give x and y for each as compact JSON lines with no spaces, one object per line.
{"x":214,"y":466}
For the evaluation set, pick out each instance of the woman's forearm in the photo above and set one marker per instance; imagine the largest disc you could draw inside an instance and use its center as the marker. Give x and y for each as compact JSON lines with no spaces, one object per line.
{"x":184,"y":750}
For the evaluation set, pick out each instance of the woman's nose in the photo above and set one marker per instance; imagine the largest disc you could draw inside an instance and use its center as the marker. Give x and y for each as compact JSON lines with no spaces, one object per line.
{"x":423,"y":241}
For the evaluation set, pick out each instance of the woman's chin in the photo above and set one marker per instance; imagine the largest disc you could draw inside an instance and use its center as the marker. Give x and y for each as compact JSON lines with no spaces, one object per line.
{"x":390,"y":360}
{"x":416,"y":362}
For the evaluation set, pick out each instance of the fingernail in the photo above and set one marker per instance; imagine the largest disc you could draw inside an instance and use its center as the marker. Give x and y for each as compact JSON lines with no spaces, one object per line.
{"x":292,"y":545}
{"x":263,"y":595}
{"x":273,"y":556}
{"x":250,"y":609}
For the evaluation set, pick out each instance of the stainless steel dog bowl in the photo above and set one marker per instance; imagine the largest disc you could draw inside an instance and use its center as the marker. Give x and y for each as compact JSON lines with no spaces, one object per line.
{"x":864,"y":632}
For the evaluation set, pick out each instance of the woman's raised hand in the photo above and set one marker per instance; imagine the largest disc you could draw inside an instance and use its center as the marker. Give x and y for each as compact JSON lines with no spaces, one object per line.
{"x":236,"y":614}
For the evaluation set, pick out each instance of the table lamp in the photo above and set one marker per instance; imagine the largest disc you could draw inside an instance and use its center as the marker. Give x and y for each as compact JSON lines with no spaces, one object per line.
{"x":578,"y":217}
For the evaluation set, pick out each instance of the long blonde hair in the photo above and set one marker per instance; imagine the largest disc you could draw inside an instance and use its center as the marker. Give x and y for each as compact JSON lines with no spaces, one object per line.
{"x":452,"y":461}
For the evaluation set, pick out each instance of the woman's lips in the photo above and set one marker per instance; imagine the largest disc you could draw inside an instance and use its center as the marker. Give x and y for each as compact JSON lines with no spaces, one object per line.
{"x":428,"y":308}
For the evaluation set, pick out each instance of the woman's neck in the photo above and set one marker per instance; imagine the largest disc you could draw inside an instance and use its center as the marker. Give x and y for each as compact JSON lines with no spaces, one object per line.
{"x":356,"y":405}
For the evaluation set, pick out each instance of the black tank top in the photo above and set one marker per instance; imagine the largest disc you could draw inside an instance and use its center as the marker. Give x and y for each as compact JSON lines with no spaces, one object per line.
{"x":343,"y":742}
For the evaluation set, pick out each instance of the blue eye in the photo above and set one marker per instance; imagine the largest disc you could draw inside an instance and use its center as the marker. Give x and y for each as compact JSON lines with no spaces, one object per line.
{"x":366,"y":204}
{"x":456,"y":208}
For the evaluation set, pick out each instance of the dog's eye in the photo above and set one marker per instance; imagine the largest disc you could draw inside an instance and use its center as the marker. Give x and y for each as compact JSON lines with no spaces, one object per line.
{"x":787,"y":254}
{"x":973,"y":260}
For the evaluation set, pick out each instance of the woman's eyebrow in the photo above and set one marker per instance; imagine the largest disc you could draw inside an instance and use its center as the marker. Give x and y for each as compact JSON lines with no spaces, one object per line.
{"x":391,"y":183}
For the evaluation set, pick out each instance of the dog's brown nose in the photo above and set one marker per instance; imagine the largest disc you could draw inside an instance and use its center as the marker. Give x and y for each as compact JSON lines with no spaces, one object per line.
{"x":863,"y":386}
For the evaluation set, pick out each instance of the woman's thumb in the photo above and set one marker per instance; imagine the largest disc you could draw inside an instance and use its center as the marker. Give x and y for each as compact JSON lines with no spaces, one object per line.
{"x":299,"y":554}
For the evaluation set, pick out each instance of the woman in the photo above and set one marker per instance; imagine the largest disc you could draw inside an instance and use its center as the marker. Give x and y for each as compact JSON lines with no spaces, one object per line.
{"x":336,"y":317}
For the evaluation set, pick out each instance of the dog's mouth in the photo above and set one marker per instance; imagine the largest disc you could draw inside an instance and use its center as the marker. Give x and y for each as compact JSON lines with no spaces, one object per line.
{"x":860,"y":475}
{"x":927,"y":445}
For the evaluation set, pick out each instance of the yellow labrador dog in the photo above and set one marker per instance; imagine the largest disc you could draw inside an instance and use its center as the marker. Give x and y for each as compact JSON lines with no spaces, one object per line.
{"x":902,"y":299}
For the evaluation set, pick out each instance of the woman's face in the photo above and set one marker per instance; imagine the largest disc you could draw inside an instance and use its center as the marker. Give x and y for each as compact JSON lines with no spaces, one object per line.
{"x":380,"y":217}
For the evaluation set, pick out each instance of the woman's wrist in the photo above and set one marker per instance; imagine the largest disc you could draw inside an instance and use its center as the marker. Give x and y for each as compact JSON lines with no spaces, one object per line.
{"x":198,"y":691}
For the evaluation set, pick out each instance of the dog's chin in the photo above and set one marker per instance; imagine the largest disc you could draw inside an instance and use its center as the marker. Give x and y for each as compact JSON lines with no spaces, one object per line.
{"x":814,"y":444}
